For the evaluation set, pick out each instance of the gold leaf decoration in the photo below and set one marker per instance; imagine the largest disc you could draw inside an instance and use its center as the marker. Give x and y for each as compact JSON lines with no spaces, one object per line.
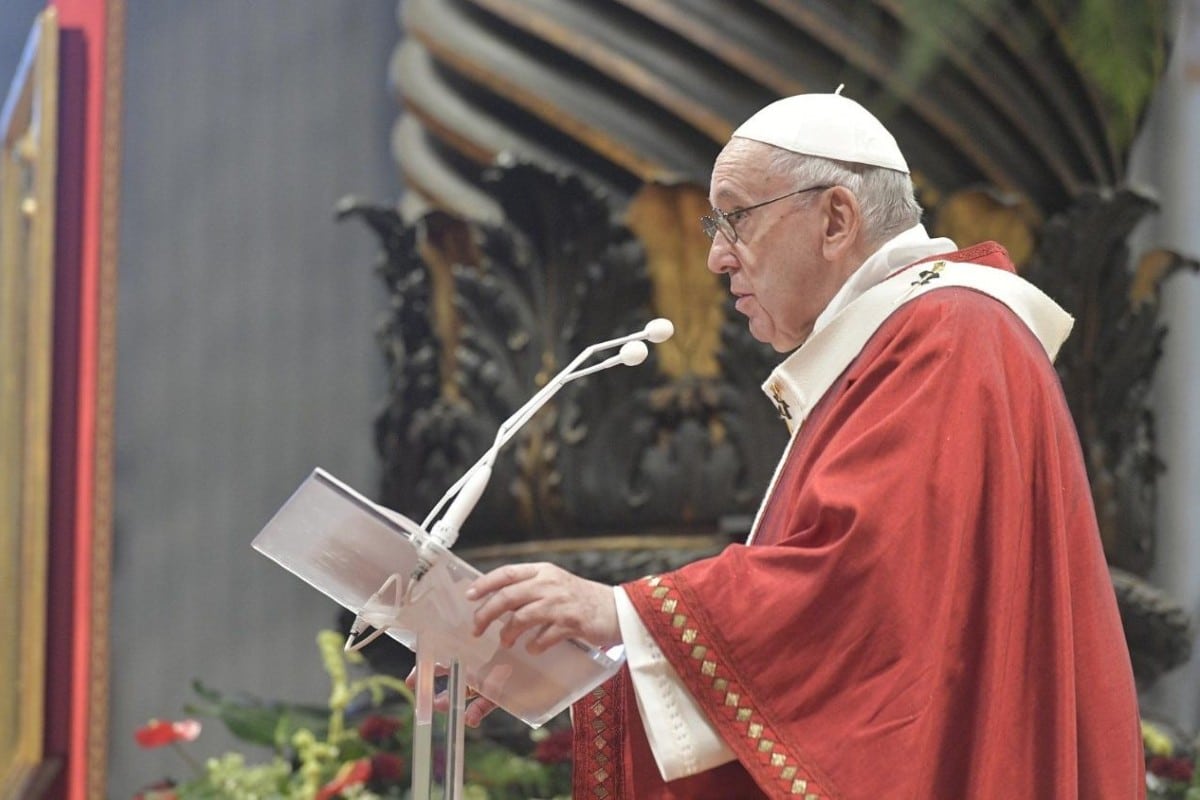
{"x":666,"y":219}
{"x":976,"y":215}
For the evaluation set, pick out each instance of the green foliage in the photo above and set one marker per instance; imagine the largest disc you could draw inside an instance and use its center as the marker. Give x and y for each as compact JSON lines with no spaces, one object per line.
{"x":268,"y":724}
{"x":1117,"y":46}
{"x":507,"y":776}
{"x":936,"y":26}
{"x":1120,"y":48}
{"x":229,"y":776}
{"x":367,"y":725}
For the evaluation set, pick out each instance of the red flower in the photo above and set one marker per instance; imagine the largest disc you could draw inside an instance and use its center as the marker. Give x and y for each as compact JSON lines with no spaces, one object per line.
{"x":157,"y":732}
{"x":386,"y":769}
{"x":352,"y":774}
{"x":378,"y":730}
{"x":554,"y":748}
{"x":1173,"y":769}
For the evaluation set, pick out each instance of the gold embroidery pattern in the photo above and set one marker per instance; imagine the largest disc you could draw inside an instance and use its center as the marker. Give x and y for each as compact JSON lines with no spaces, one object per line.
{"x":931,"y":274}
{"x":770,"y":754}
{"x":603,"y":777}
{"x":785,"y":411}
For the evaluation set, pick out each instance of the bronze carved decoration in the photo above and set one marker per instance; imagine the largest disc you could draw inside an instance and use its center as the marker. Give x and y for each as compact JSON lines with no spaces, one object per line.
{"x":666,"y":449}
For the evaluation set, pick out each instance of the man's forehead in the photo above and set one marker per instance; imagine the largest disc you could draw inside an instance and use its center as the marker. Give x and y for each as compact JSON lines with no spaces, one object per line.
{"x":741,"y":170}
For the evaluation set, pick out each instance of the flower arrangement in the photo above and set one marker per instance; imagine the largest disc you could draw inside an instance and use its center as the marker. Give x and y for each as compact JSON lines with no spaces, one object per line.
{"x":356,"y":748}
{"x":1170,"y":768}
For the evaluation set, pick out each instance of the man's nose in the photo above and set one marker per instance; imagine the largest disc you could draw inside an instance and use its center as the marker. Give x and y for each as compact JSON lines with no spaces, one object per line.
{"x":720,"y":255}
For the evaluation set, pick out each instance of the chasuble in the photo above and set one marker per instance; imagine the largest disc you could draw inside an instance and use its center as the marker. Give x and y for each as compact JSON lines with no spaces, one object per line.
{"x":924,"y":610}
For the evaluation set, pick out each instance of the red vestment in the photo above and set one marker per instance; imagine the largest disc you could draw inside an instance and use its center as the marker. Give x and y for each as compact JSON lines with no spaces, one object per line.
{"x":925,"y":611}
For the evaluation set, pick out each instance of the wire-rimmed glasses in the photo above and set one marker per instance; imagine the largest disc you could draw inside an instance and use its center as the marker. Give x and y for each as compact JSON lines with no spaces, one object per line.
{"x":723,"y":221}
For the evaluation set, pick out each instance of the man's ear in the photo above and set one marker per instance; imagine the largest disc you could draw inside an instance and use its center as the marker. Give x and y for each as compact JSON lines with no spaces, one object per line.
{"x":842,"y":219}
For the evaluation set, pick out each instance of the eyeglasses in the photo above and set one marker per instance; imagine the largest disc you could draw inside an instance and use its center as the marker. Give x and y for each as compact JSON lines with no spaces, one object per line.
{"x":723,"y":222}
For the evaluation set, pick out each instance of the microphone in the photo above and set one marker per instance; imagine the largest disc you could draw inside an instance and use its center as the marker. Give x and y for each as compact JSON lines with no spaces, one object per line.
{"x":659,"y":330}
{"x":467,"y":490}
{"x":632,"y":354}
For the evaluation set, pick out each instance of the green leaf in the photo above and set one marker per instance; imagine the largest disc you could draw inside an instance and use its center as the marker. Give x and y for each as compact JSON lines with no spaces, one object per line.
{"x":254,"y":721}
{"x":1119,"y":46}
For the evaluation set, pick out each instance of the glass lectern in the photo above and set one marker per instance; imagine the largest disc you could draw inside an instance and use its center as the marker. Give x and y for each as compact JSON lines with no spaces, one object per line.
{"x":361,"y":555}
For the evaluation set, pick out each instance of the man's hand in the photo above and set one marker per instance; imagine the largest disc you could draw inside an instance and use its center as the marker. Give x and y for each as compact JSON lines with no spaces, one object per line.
{"x":476,"y":707}
{"x":546,"y":599}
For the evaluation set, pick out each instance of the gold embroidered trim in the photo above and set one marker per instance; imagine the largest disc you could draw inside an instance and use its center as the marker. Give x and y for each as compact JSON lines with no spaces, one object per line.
{"x":785,"y":411}
{"x":601,"y":788}
{"x":773,"y":755}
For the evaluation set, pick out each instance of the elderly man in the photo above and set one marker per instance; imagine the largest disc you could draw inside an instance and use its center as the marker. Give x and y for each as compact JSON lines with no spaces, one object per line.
{"x":923,"y":608}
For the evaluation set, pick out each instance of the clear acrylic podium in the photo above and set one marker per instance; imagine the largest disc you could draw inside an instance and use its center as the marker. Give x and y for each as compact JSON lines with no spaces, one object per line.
{"x":361,"y":555}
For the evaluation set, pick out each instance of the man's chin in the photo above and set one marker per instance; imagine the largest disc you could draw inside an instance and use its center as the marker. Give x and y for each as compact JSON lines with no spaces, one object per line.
{"x":766,"y":336}
{"x":772,"y":338}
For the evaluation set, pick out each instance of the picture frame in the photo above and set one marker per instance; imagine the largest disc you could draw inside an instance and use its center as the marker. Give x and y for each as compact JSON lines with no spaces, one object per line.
{"x":28,"y":174}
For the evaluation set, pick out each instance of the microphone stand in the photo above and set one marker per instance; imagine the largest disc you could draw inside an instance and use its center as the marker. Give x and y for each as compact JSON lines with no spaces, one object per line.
{"x":465,"y":493}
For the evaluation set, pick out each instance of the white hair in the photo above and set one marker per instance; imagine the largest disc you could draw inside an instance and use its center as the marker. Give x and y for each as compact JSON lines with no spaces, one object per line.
{"x":885,"y":196}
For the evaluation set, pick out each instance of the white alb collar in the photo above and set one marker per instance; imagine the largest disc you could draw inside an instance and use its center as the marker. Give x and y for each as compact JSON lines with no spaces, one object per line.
{"x":901,"y":250}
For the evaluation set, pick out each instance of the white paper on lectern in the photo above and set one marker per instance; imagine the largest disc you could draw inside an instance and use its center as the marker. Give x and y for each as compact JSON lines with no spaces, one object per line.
{"x":347,"y":547}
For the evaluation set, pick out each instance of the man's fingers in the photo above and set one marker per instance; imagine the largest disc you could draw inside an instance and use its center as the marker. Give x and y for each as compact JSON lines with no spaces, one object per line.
{"x":479,"y":708}
{"x":541,"y":595}
{"x":544,"y":639}
{"x":482,"y":706}
{"x":499,"y":578}
{"x":516,"y":598}
{"x":441,"y":699}
{"x":533,"y":615}
{"x":438,"y":671}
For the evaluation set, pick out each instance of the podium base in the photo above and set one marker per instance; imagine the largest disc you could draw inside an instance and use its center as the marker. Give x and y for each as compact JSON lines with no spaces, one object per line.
{"x":423,"y":766}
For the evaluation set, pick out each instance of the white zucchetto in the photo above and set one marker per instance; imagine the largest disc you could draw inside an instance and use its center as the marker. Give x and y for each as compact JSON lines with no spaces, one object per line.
{"x":825,"y":125}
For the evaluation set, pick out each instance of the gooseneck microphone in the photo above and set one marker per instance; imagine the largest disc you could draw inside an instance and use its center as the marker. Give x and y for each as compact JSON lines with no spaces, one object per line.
{"x":467,"y":490}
